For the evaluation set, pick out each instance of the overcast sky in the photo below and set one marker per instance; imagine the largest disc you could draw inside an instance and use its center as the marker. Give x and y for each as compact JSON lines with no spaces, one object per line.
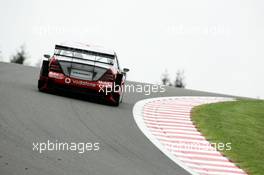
{"x":219,"y":44}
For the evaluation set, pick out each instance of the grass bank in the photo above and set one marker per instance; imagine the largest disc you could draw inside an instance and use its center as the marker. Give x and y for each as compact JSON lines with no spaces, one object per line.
{"x":239,"y":122}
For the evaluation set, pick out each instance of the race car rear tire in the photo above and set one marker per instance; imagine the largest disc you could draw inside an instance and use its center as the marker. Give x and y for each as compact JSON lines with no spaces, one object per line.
{"x":44,"y":71}
{"x":116,"y":97}
{"x":41,"y":84}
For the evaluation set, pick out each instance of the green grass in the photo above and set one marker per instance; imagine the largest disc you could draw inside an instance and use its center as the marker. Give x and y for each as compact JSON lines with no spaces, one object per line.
{"x":242,"y":124}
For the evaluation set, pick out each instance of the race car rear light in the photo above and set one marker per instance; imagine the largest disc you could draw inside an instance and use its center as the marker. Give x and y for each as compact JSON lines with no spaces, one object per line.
{"x":108,"y":76}
{"x":54,"y":66}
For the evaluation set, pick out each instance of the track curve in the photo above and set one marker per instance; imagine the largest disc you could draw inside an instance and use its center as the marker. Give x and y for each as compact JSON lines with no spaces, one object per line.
{"x":28,"y":116}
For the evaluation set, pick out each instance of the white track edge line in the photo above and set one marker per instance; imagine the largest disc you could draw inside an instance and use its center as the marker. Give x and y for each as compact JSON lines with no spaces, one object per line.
{"x":137,"y":113}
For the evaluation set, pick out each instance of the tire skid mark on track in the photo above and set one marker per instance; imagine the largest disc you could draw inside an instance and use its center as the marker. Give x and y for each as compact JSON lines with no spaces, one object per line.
{"x":167,"y":123}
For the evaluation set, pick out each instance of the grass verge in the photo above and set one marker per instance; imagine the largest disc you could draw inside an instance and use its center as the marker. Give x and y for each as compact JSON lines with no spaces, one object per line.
{"x":240,"y":123}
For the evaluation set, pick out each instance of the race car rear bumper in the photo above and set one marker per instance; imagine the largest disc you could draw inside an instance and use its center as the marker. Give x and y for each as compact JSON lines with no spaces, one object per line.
{"x":60,"y":83}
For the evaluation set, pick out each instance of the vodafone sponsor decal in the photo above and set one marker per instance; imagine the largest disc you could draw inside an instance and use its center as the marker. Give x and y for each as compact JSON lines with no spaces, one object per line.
{"x":67,"y":80}
{"x":166,"y":122}
{"x":79,"y":82}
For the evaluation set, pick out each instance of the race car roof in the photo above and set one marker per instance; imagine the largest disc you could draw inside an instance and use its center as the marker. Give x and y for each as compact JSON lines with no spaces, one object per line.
{"x":87,"y":47}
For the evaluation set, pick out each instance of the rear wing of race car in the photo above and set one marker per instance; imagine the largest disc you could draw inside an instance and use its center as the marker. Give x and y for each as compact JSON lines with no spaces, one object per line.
{"x":83,"y":51}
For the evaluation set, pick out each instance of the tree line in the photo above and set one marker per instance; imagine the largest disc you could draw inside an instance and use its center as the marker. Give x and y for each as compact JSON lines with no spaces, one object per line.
{"x":19,"y":57}
{"x":178,"y":81}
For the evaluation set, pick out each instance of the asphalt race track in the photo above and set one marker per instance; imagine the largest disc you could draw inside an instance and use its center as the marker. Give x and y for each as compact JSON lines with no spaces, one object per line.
{"x":28,"y":116}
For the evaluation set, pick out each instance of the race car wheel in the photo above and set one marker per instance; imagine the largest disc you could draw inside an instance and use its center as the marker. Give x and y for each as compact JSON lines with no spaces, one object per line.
{"x":41,"y":84}
{"x":116,"y":97}
{"x":44,"y":71}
